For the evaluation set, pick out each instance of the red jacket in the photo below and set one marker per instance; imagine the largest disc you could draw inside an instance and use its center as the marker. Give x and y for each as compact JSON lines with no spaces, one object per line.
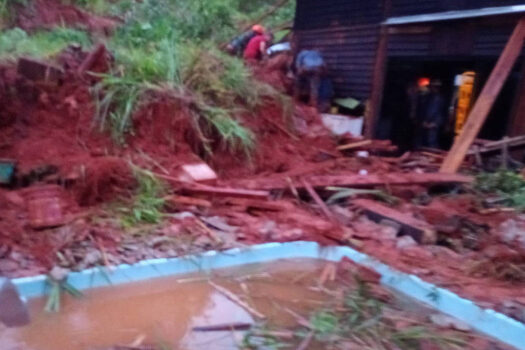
{"x":253,"y":49}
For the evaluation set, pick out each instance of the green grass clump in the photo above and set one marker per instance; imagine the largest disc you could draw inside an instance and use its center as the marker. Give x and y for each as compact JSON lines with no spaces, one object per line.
{"x":508,"y":185}
{"x":148,"y":201}
{"x":159,"y":50}
{"x":15,"y":42}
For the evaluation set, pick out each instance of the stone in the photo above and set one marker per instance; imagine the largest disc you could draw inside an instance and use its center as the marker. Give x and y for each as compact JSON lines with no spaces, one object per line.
{"x":513,"y":233}
{"x":58,"y":273}
{"x":448,"y":322}
{"x":405,"y":242}
{"x":8,"y":265}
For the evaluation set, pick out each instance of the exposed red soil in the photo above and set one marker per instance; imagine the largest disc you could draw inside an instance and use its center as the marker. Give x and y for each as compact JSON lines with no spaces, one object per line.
{"x":47,"y":14}
{"x":43,"y":126}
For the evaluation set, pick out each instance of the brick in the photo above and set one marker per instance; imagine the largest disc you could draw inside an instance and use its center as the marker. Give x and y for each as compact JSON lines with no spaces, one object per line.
{"x":199,"y":172}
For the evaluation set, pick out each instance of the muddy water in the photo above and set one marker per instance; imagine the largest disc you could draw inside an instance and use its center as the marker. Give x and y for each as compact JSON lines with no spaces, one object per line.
{"x":164,"y":311}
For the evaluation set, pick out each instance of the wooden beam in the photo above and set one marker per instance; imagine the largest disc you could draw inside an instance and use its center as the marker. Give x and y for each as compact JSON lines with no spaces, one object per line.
{"x":378,"y":84}
{"x":322,"y":205}
{"x":517,"y":125}
{"x":486,"y":100}
{"x":224,"y":192}
{"x":421,"y":231}
{"x":359,"y":181}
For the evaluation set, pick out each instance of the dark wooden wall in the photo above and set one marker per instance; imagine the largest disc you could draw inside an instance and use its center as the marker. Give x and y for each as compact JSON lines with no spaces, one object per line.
{"x":347,"y":33}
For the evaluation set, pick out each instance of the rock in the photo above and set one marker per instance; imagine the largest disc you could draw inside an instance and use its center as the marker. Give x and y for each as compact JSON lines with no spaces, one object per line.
{"x":447,"y":322}
{"x":268,"y":229}
{"x":183,"y":215}
{"x":513,"y":233}
{"x":512,"y":309}
{"x":58,"y":273}
{"x":8,"y":265}
{"x":291,"y":235}
{"x":343,"y":215}
{"x":14,"y":198}
{"x":418,"y":253}
{"x":405,"y":242}
{"x":219,"y":223}
{"x":499,"y":251}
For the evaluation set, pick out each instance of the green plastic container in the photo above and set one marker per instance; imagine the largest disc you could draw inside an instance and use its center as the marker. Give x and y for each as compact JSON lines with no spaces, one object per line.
{"x":7,"y":170}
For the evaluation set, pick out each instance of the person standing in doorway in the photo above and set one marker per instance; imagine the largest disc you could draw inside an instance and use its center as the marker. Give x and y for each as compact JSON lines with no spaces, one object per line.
{"x":431,"y":113}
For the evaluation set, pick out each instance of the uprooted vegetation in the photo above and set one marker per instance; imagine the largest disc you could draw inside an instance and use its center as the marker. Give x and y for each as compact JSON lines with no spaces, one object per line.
{"x":154,"y":56}
{"x":507,"y":187}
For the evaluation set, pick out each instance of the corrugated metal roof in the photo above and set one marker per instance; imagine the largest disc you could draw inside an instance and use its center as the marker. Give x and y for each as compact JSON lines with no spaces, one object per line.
{"x":454,"y":15}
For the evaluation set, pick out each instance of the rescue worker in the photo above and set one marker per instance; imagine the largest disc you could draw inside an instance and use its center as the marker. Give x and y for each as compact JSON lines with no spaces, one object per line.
{"x":430,"y":114}
{"x":256,"y":48}
{"x":310,"y":68}
{"x":237,"y":46}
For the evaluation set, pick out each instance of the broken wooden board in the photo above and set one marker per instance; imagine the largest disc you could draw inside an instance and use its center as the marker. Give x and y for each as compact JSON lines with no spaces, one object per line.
{"x":420,"y":230}
{"x":486,"y":100}
{"x":322,"y":205}
{"x":263,"y":205}
{"x":224,"y":192}
{"x":497,"y":145}
{"x":188,"y":201}
{"x":369,"y":145}
{"x":361,"y":181}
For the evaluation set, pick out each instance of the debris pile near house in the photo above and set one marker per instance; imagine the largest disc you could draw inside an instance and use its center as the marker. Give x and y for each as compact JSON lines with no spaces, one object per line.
{"x":72,"y":197}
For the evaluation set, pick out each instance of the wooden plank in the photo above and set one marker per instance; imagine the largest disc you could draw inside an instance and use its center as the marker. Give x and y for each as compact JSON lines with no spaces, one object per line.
{"x":225,"y":192}
{"x":354,"y":145}
{"x":361,"y":181}
{"x":317,"y":199}
{"x":379,"y":74}
{"x":517,"y":125}
{"x":265,"y":205}
{"x":486,"y":100}
{"x":190,"y":201}
{"x":421,"y":231}
{"x":497,"y":145}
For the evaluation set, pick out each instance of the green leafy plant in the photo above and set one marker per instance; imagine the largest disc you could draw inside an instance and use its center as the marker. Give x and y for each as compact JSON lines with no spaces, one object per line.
{"x":508,"y":185}
{"x":55,"y":294}
{"x":148,"y":201}
{"x":16,"y":42}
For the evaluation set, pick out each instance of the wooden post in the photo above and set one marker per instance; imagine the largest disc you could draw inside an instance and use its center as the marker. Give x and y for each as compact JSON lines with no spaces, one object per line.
{"x":378,"y":83}
{"x":517,"y":124}
{"x":486,"y":100}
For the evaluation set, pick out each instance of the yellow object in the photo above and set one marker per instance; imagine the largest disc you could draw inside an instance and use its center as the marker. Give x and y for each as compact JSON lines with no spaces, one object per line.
{"x":464,"y":99}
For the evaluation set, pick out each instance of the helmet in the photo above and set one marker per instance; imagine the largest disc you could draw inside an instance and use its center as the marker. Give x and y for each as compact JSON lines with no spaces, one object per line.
{"x":259,"y":29}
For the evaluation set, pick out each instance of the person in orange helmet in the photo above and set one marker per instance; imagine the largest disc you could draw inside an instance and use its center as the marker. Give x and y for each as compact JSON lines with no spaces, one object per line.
{"x":256,"y":48}
{"x":237,"y":46}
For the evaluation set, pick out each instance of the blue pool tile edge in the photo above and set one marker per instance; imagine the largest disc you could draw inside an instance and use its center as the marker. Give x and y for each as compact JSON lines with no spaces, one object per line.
{"x":488,"y":322}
